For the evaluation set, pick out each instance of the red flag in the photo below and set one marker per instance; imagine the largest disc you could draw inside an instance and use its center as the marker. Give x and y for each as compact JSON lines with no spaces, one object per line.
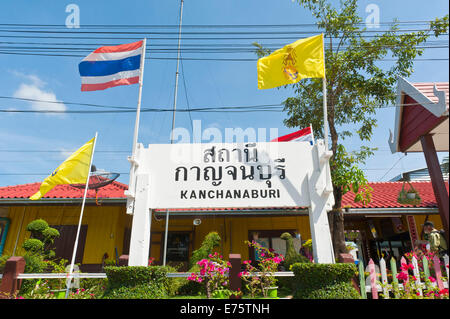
{"x":304,"y":135}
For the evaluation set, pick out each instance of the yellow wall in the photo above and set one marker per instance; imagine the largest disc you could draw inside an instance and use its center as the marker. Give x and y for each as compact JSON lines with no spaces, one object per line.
{"x":105,"y":227}
{"x":420,"y":219}
{"x":232,"y":230}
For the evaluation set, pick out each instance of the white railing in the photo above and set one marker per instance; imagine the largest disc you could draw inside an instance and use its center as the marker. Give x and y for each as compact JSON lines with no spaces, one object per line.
{"x":103,"y":275}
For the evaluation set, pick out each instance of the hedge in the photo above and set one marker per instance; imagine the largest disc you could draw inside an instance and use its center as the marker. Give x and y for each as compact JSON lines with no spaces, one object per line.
{"x":137,"y":282}
{"x":324,"y":281}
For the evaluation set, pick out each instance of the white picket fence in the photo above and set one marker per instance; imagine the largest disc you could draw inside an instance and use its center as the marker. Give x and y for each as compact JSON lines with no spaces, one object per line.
{"x":372,"y":285}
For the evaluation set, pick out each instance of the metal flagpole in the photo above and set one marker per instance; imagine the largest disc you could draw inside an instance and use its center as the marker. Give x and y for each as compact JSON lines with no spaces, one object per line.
{"x":81,"y":218}
{"x":312,"y":134}
{"x":325,"y":107}
{"x":130,"y":193}
{"x":173,"y":119}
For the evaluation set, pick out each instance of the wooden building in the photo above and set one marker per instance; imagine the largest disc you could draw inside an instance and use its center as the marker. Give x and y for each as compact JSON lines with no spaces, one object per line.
{"x":384,"y":224}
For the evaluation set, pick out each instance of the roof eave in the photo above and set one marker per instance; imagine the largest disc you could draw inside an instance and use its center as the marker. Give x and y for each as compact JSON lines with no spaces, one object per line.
{"x":66,"y":201}
{"x":391,"y":210}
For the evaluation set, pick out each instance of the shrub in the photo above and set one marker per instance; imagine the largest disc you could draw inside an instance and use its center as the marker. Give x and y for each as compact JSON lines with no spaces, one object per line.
{"x":36,"y":227}
{"x":33,"y":245}
{"x":266,"y":266}
{"x":3,"y":260}
{"x":41,"y":232}
{"x":213,"y":273}
{"x":324,"y":281}
{"x":211,"y":241}
{"x":137,"y":282}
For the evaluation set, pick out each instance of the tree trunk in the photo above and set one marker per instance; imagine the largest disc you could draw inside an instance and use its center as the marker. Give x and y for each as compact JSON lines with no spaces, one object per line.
{"x":336,"y":222}
{"x":336,"y":215}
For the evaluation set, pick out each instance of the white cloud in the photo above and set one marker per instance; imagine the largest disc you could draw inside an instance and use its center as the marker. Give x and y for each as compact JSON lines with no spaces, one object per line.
{"x":30,"y":77}
{"x":36,"y":91}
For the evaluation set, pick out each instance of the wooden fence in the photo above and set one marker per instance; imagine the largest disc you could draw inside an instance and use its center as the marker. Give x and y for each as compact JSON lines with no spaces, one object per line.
{"x":373,"y":285}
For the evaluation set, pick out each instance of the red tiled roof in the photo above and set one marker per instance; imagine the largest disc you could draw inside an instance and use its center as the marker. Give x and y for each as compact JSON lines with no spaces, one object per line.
{"x":113,"y":190}
{"x":384,"y":195}
{"x":427,"y":89}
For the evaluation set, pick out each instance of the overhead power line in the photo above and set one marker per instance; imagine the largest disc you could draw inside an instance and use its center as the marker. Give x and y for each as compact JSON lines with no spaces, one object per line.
{"x":127,"y":109}
{"x":173,"y":26}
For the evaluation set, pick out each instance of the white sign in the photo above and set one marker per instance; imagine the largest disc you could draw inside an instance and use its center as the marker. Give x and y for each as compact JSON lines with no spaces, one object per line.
{"x":251,"y":175}
{"x":228,"y":175}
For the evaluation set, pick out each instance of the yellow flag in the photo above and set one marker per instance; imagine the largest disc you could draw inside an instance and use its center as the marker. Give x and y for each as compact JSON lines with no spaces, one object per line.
{"x":74,"y":170}
{"x":302,"y":59}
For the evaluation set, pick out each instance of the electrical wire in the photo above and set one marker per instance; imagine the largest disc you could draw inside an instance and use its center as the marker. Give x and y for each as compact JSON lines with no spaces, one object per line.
{"x":392,"y":167}
{"x":124,"y":109}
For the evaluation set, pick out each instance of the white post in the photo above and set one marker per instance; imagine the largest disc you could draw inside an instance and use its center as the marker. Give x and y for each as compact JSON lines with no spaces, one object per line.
{"x":141,"y":225}
{"x":321,"y":199}
{"x":325,"y":107}
{"x":81,"y":218}
{"x":130,"y":193}
{"x":165,"y":238}
{"x":417,"y":275}
{"x":384,"y":279}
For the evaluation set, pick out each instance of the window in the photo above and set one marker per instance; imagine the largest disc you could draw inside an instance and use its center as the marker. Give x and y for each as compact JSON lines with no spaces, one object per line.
{"x":178,"y":246}
{"x":271,"y":240}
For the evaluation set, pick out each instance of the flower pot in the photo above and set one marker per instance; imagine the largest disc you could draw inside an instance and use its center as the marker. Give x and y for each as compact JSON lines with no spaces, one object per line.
{"x":272,"y":292}
{"x":411,"y":195}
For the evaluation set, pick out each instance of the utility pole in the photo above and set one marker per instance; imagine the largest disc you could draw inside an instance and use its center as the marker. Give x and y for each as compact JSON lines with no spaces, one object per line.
{"x":173,"y":119}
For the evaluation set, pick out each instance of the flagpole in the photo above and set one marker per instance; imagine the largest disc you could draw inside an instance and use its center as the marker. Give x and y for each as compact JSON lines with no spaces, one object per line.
{"x":324,"y":93}
{"x":81,"y":218}
{"x":312,"y":134}
{"x":131,"y":187}
{"x":173,"y":120}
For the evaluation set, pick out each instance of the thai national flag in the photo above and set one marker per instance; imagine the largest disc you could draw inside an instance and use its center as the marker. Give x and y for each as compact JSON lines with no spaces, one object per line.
{"x":111,"y":66}
{"x":304,"y":135}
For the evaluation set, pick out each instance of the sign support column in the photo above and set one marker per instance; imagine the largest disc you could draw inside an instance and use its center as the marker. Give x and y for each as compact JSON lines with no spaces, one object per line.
{"x":140,"y":231}
{"x":321,"y":199}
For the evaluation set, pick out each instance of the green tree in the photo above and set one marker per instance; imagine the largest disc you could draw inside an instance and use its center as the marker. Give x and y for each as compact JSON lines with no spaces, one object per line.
{"x":445,"y":165}
{"x":357,"y":84}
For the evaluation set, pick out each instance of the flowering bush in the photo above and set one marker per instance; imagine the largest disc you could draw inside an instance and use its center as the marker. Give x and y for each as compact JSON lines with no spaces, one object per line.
{"x":267,"y":265}
{"x":213,"y":274}
{"x":411,"y":289}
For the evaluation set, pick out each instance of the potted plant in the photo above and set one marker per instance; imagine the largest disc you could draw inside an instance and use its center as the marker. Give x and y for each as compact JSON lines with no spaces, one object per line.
{"x":267,"y":265}
{"x":410,"y":196}
{"x":214,"y":275}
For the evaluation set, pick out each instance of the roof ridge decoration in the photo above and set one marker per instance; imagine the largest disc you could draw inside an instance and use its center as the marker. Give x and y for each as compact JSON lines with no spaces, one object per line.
{"x":404,"y":87}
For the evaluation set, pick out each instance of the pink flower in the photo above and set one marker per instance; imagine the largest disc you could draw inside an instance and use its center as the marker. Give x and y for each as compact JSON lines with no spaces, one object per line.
{"x":405,"y":267}
{"x":443,"y":291}
{"x":431,"y":279}
{"x":402,"y":276}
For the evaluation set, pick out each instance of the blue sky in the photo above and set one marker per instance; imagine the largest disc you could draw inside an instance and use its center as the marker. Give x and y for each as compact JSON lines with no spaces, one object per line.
{"x":208,"y":83}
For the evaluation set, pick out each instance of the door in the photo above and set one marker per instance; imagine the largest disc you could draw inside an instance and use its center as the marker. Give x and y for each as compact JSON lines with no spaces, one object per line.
{"x":179,"y":246}
{"x":65,"y":243}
